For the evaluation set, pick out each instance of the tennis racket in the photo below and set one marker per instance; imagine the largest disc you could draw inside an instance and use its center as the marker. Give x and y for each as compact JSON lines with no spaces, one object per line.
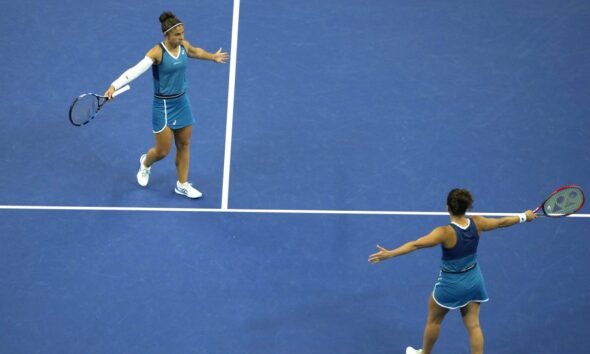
{"x":86,"y":106}
{"x":563,"y":201}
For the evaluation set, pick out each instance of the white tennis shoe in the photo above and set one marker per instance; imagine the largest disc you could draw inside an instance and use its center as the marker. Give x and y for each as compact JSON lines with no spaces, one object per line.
{"x":410,"y":350}
{"x":143,"y":175}
{"x":187,"y":190}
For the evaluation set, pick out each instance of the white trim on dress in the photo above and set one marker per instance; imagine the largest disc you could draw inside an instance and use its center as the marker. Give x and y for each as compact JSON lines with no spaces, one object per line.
{"x":175,"y":57}
{"x":165,"y":119}
{"x":454,"y":308}
{"x":461,"y":227}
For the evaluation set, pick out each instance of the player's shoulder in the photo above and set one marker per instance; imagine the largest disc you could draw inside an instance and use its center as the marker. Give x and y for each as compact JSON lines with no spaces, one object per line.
{"x":481,"y":223}
{"x":478,"y":220}
{"x":444,"y":231}
{"x":157,"y":48}
{"x":440,"y":234}
{"x":155,"y":53}
{"x":186,"y":44}
{"x":445,"y":228}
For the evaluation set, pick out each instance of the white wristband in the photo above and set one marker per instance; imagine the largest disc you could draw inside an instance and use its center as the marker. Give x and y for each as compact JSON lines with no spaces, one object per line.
{"x":521,"y":217}
{"x":133,"y":73}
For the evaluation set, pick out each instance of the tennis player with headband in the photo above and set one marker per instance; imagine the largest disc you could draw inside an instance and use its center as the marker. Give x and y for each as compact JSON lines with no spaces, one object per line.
{"x":172,"y":116}
{"x":460,"y":283}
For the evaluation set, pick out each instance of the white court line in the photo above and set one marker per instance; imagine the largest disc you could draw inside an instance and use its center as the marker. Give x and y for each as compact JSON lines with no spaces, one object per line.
{"x":252,"y":211}
{"x":230,"y":104}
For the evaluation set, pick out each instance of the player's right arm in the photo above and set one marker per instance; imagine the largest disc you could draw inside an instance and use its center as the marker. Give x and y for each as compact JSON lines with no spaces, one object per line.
{"x":489,"y":224}
{"x":153,"y":56}
{"x":439,"y":235}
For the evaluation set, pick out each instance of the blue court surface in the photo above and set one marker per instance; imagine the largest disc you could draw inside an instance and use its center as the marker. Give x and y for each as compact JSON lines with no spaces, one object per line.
{"x":347,"y":123}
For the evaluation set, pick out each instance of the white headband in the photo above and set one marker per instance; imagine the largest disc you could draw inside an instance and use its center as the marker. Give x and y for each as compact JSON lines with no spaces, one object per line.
{"x":178,"y":24}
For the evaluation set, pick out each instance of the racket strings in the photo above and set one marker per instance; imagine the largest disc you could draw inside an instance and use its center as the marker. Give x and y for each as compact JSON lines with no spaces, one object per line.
{"x":84,"y":109}
{"x":564,"y":202}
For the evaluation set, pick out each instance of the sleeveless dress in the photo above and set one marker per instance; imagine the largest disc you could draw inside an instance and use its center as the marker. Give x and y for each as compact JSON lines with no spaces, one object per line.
{"x":460,"y":280}
{"x":171,"y":108}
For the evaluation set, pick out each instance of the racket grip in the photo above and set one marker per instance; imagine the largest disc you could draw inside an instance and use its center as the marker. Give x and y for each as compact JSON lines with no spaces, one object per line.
{"x":121,"y":90}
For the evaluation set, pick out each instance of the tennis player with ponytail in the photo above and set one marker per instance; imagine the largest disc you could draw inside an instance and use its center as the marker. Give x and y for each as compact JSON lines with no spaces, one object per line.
{"x":460,"y":283}
{"x":172,"y":116}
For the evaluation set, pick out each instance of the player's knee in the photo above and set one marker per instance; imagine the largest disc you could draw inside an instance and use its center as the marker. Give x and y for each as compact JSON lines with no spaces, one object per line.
{"x":183,"y":145}
{"x":472,"y":326}
{"x":435,"y":320}
{"x":161,"y":153}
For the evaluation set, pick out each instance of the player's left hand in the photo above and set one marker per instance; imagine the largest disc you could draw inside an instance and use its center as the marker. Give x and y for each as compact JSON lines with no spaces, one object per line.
{"x":220,"y":57}
{"x":382,"y":255}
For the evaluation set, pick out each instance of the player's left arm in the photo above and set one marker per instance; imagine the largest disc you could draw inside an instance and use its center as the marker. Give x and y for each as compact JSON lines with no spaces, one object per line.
{"x":436,"y":237}
{"x":199,"y":53}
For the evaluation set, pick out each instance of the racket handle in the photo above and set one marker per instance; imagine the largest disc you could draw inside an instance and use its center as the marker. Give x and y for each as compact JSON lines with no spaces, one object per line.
{"x":121,"y":90}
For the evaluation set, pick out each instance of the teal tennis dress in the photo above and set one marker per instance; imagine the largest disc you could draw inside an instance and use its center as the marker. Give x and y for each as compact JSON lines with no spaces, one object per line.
{"x":460,"y":281}
{"x":171,"y":108}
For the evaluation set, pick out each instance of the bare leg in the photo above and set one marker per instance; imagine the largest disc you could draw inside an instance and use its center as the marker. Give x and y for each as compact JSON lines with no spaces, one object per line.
{"x":161,"y":149}
{"x":436,"y":315}
{"x":470,"y":315}
{"x":182,"y":138}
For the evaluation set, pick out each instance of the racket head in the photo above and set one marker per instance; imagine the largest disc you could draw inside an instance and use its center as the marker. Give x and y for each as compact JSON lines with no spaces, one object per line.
{"x":563,"y":201}
{"x":84,"y":108}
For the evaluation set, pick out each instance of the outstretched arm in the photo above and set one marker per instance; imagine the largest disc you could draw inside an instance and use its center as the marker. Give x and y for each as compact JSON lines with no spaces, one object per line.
{"x":199,"y":53}
{"x":153,"y":56}
{"x":436,"y":237}
{"x":487,"y":224}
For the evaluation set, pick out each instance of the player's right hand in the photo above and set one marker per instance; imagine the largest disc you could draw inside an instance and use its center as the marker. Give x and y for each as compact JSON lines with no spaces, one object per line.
{"x":109,"y":93}
{"x":530,"y":215}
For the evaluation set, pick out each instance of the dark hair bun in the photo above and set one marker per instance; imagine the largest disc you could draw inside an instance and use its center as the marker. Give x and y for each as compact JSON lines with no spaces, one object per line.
{"x":459,"y":201}
{"x":166,"y":15}
{"x":168,"y":20}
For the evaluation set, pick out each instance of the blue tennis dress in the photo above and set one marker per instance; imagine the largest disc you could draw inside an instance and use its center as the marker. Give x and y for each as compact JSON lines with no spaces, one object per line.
{"x":171,"y":108}
{"x":460,"y":280}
